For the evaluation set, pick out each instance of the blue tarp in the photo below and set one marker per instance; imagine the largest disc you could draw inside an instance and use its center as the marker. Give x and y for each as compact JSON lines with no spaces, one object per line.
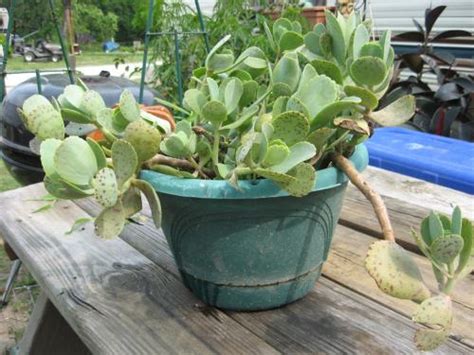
{"x":110,"y":46}
{"x":441,"y":160}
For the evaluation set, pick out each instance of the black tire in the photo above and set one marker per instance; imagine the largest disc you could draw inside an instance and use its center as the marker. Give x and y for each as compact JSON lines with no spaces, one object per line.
{"x":29,"y":57}
{"x":55,"y":58}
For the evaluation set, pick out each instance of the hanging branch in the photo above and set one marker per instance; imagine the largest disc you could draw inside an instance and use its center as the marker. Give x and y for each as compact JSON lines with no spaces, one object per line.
{"x":377,"y":203}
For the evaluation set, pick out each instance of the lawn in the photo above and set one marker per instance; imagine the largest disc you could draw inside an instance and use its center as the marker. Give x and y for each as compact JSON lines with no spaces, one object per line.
{"x":13,"y":318}
{"x":84,"y":59}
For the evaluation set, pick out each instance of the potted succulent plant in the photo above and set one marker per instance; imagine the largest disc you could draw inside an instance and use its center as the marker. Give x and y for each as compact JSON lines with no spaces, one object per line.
{"x":248,"y":185}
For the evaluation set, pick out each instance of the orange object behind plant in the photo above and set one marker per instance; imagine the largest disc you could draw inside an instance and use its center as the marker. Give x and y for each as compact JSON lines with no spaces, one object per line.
{"x":161,"y":112}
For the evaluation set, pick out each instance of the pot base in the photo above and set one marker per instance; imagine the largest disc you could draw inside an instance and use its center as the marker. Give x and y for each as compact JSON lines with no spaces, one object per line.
{"x":252,"y":297}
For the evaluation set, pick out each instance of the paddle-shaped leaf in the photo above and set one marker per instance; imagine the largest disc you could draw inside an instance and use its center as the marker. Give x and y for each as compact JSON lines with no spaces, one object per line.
{"x":291,"y":127}
{"x":368,"y":99}
{"x":214,"y":112}
{"x":47,"y":152}
{"x":144,"y":138}
{"x":317,"y":94}
{"x":75,"y":161}
{"x":232,"y":94}
{"x":41,"y":118}
{"x":338,"y":44}
{"x":305,"y":177}
{"x":396,"y":113}
{"x":290,"y":40}
{"x":110,"y":222}
{"x":98,"y":152}
{"x":128,"y":106}
{"x":106,"y":189}
{"x":287,"y":71}
{"x":368,"y":71}
{"x":61,"y":189}
{"x":152,"y":199}
{"x":395,"y":272}
{"x":194,"y":99}
{"x":300,"y":152}
{"x":329,"y":69}
{"x":125,"y":161}
{"x":276,"y":153}
{"x":372,"y":49}
{"x":91,"y":102}
{"x":131,"y":202}
{"x":272,"y":175}
{"x":446,"y":248}
{"x":361,"y":37}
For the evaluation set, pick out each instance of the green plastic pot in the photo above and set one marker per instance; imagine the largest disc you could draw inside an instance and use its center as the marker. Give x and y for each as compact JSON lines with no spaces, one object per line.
{"x":252,"y":249}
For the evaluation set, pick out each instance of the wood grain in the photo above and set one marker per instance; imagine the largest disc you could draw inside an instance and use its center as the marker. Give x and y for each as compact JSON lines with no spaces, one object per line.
{"x":117,"y":300}
{"x":420,"y":193}
{"x":345,"y":267}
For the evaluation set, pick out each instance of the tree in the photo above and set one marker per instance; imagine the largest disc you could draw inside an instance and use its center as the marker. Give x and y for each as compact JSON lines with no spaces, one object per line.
{"x":91,"y":20}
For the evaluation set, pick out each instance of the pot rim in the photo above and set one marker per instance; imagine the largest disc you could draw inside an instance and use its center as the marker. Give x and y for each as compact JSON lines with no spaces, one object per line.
{"x":249,"y":189}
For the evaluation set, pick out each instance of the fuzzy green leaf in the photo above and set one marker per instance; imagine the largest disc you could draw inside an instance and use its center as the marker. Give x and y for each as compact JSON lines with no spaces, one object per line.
{"x":194,"y":100}
{"x":106,"y":189}
{"x":361,"y":37}
{"x":152,"y":199}
{"x":129,"y":107}
{"x":305,"y":176}
{"x":272,"y":175}
{"x":110,"y":222}
{"x":91,"y":102}
{"x":125,"y":161}
{"x":290,"y":40}
{"x":98,"y":152}
{"x":214,"y":112}
{"x":395,"y":272}
{"x":47,"y":153}
{"x":299,"y":153}
{"x":338,"y":44}
{"x":368,"y":71}
{"x":291,"y":127}
{"x":446,"y":248}
{"x":75,"y":161}
{"x":371,"y":49}
{"x":317,"y":94}
{"x":369,"y":100}
{"x":144,"y":138}
{"x":329,"y":69}
{"x":287,"y":71}
{"x":131,"y":202}
{"x":396,"y":113}
{"x":232,"y":94}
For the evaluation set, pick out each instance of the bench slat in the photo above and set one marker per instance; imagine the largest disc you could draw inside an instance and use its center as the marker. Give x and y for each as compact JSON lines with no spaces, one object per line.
{"x":117,"y":300}
{"x":345,"y":267}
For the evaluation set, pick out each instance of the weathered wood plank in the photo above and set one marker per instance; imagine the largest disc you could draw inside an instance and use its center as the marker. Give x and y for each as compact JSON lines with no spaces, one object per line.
{"x":117,"y":300}
{"x":48,"y":333}
{"x":345,"y":266}
{"x":418,"y":192}
{"x":335,"y":320}
{"x":400,"y":195}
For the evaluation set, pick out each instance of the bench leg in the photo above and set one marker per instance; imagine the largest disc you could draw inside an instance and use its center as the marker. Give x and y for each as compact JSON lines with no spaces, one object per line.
{"x":48,"y":333}
{"x":10,"y":281}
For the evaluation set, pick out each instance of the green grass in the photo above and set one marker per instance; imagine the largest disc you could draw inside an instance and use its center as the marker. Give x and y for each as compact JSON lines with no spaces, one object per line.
{"x":84,"y":59}
{"x":6,"y":180}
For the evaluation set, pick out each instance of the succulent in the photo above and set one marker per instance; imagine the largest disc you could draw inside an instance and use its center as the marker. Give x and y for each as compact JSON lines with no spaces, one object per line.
{"x":448,"y":244}
{"x":246,"y":116}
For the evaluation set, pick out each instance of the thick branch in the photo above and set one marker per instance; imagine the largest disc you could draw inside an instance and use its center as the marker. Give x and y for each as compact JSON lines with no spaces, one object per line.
{"x":374,"y":198}
{"x":175,"y":163}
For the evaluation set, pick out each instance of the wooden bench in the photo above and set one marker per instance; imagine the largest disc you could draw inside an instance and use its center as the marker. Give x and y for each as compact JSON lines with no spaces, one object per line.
{"x":124,"y":296}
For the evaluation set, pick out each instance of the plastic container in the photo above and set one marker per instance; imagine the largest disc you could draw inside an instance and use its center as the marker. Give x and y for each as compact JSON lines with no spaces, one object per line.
{"x":441,"y":160}
{"x":252,"y":249}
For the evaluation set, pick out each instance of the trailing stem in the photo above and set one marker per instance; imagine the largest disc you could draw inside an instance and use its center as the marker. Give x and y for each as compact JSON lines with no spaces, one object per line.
{"x":377,"y":203}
